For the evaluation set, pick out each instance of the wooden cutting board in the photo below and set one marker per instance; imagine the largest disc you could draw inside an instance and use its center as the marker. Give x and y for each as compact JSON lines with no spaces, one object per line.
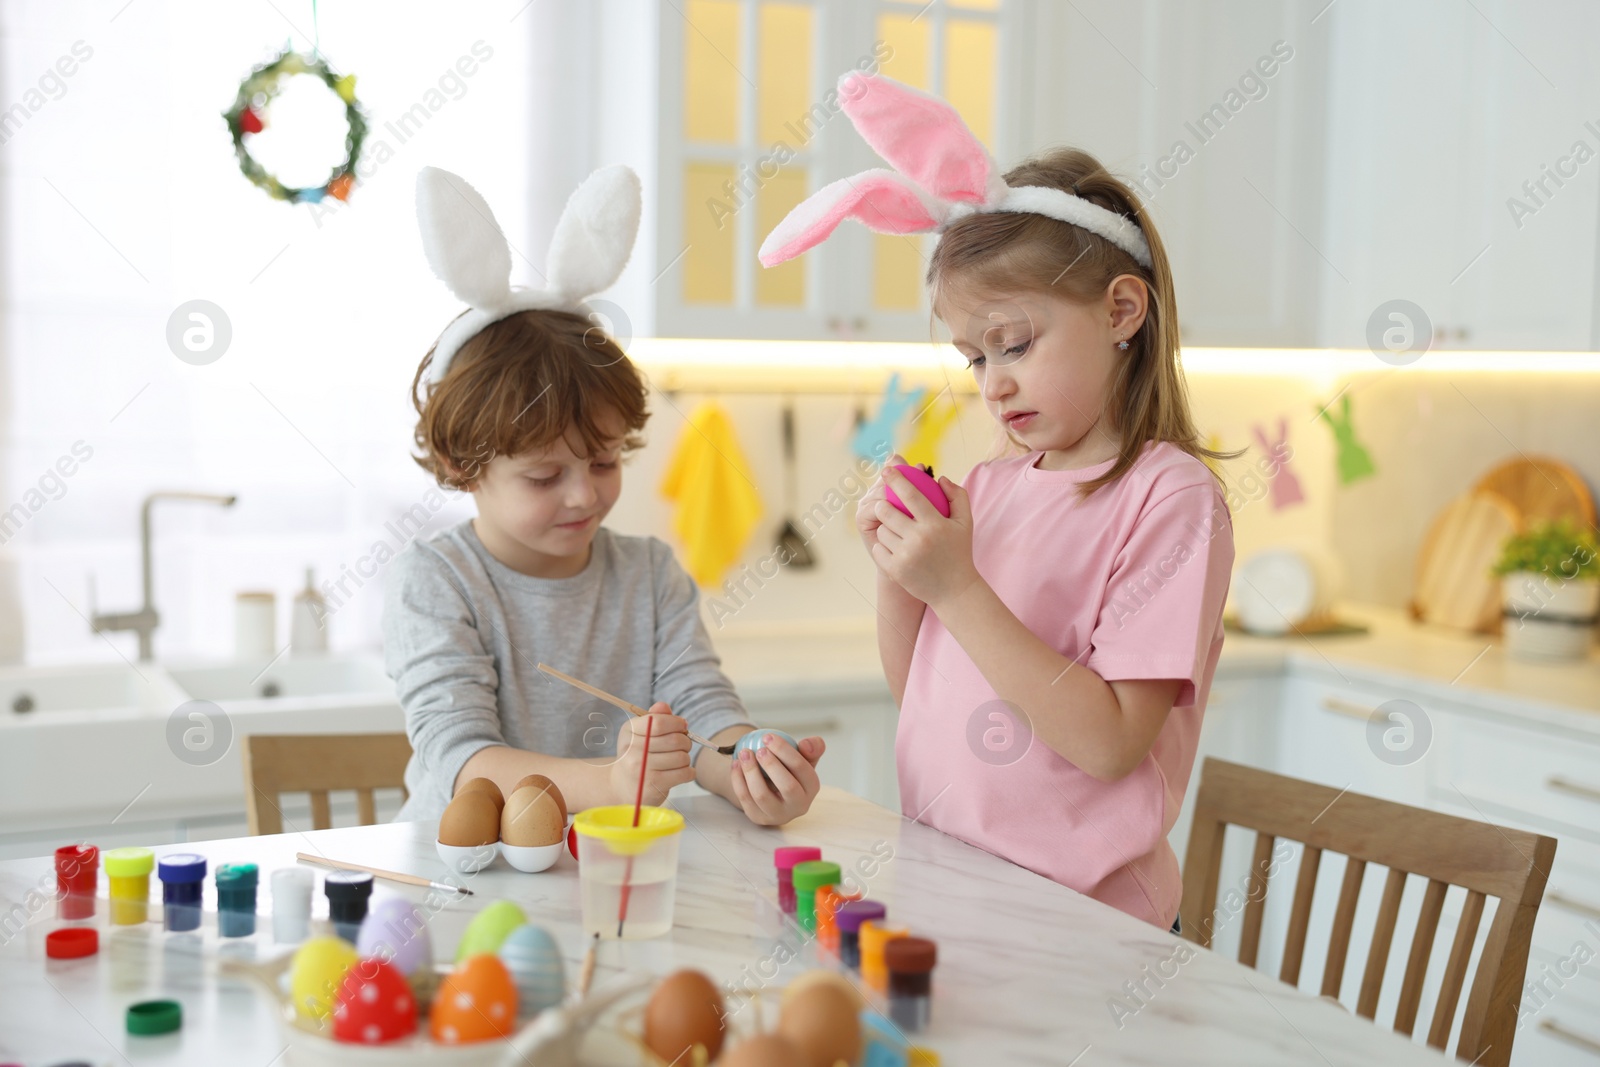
{"x":1541,"y":488}
{"x":1453,"y":585}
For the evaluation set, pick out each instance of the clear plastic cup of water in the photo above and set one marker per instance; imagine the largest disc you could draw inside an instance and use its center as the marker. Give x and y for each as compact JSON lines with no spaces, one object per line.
{"x":627,"y":874}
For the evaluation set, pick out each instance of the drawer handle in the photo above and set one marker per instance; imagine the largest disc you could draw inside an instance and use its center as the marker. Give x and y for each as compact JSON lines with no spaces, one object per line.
{"x":1583,"y":1041}
{"x":1575,"y":789}
{"x":1559,"y":899}
{"x":1344,"y":707}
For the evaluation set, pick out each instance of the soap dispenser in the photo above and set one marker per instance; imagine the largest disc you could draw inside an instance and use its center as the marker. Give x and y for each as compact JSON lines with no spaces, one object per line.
{"x":308,"y":632}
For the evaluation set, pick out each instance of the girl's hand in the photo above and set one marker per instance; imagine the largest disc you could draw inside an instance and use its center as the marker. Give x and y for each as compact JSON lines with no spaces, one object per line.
{"x":669,"y":756}
{"x":867,"y":521}
{"x":928,"y":555}
{"x":793,"y":780}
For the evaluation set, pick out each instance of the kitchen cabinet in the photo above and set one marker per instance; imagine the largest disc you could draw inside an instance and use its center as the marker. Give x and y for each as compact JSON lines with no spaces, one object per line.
{"x":748,"y":124}
{"x":1464,"y":178}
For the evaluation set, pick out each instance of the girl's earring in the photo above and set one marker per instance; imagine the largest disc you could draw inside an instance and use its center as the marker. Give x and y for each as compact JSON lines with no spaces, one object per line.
{"x":1122,"y":345}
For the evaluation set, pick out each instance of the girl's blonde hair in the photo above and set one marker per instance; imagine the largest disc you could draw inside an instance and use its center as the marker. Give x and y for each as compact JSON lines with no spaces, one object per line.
{"x":1010,"y":252}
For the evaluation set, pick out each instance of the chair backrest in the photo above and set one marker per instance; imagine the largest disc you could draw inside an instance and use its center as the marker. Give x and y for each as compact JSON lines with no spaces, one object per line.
{"x":275,"y":764}
{"x":1487,"y":861}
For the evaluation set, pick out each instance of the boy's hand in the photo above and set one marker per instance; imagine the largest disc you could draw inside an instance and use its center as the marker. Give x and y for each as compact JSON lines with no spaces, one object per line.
{"x":867,"y":521}
{"x":669,"y":756}
{"x":793,"y":775}
{"x":928,"y":555}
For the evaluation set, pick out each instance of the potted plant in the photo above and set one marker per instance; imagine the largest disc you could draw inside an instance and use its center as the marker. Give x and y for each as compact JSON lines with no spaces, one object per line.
{"x":1550,"y":588}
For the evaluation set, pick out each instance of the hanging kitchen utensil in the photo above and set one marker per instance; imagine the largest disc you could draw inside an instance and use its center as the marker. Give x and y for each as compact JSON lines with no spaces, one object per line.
{"x":791,"y":542}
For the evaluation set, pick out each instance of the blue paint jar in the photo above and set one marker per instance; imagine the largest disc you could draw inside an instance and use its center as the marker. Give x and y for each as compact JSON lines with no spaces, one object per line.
{"x":183,"y":879}
{"x":236,"y":899}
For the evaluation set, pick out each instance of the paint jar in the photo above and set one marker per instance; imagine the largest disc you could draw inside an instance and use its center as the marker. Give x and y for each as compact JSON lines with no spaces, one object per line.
{"x":128,"y":871}
{"x":348,"y":893}
{"x":784,"y":860}
{"x":810,"y":876}
{"x":236,"y":899}
{"x":829,"y":897}
{"x":873,"y":936}
{"x":291,"y":905}
{"x":183,"y":878}
{"x":910,"y":961}
{"x":847,"y":919}
{"x":77,"y":874}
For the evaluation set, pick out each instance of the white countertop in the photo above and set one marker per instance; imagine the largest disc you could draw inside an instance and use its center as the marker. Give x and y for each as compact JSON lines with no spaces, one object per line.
{"x":1026,"y":975}
{"x":1451,"y":664}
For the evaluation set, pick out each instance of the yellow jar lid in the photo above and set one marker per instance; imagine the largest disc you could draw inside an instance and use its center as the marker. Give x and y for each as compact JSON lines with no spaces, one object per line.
{"x":614,"y":825}
{"x":128,"y":862}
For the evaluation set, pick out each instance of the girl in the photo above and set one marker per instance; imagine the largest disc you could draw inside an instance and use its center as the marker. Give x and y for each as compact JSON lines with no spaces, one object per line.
{"x":1051,"y":643}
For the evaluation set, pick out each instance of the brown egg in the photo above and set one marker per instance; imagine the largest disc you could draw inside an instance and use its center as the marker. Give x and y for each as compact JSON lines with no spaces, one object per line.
{"x":811,"y":979}
{"x":764,"y":1050}
{"x":532,"y":817}
{"x":471,"y":820}
{"x":685,"y":1010}
{"x":544,"y":783}
{"x":487,"y":787}
{"x":822,"y":1021}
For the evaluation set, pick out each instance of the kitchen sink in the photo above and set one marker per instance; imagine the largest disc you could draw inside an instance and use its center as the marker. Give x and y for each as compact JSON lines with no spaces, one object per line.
{"x":354,"y":675}
{"x":31,"y":691}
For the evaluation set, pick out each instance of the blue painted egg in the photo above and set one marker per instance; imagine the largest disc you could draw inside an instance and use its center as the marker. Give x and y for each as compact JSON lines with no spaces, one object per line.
{"x":752,"y":741}
{"x":531,"y":955}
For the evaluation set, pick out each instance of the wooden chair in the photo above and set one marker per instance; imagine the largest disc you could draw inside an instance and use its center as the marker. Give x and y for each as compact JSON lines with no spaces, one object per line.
{"x":1488,"y":861}
{"x":317,"y":764}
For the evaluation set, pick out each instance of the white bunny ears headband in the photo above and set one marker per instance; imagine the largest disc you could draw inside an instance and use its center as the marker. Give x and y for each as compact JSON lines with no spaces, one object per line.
{"x":942,"y":173}
{"x":467,"y":250}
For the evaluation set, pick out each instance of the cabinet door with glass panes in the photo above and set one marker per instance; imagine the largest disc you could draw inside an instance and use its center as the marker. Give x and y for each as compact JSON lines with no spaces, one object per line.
{"x":751,"y":126}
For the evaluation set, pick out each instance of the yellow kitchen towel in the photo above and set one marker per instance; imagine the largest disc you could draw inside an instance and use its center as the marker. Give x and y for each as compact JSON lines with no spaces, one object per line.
{"x":718,"y":505}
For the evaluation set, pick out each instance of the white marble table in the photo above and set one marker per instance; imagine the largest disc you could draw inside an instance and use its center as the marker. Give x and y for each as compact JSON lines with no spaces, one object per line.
{"x":1028,"y":970}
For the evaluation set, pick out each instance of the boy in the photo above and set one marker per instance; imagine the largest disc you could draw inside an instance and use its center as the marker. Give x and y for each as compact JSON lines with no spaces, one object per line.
{"x":533,"y":417}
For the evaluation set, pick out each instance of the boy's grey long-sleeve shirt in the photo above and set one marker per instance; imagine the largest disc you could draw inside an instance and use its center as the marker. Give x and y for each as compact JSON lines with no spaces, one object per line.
{"x":463,"y":635}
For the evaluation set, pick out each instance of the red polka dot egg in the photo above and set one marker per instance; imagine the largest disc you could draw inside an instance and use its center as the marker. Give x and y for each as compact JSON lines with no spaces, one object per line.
{"x":475,"y":1002}
{"x":375,"y":1005}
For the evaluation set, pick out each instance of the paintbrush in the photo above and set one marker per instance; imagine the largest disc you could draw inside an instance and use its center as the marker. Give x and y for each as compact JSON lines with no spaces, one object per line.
{"x":726,"y":750}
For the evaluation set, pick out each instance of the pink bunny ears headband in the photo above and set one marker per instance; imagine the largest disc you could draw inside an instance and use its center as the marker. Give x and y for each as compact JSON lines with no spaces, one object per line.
{"x":942,"y":173}
{"x":467,"y":250}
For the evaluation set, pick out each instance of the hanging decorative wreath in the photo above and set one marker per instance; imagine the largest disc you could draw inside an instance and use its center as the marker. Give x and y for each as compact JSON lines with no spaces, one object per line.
{"x":248,"y":116}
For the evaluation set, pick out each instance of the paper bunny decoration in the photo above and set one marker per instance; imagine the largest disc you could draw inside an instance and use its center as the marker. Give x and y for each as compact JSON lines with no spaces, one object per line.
{"x":1286,"y":490}
{"x":942,"y":173}
{"x":1352,"y":459}
{"x":874,"y":439}
{"x":467,"y":250}
{"x":928,"y":429}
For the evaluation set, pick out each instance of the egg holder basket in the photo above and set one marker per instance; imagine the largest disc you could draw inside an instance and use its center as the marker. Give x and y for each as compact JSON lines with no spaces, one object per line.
{"x":529,"y":859}
{"x":553,"y":1038}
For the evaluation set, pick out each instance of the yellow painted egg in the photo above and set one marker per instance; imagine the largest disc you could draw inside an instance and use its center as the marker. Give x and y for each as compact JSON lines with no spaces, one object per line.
{"x":316,"y":973}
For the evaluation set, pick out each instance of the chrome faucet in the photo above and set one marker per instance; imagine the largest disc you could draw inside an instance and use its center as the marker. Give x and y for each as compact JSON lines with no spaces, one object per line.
{"x":146,"y":619}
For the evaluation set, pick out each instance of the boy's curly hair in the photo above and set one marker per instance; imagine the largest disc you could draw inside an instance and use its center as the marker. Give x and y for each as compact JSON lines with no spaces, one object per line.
{"x":519,"y":385}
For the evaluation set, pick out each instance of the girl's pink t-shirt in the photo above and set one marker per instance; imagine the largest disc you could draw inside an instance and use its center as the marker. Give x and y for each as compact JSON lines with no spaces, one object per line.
{"x":1129,"y":583}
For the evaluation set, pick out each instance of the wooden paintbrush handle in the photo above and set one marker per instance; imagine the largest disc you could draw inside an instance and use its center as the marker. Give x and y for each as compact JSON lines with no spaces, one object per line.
{"x":377,"y":872}
{"x":609,"y":699}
